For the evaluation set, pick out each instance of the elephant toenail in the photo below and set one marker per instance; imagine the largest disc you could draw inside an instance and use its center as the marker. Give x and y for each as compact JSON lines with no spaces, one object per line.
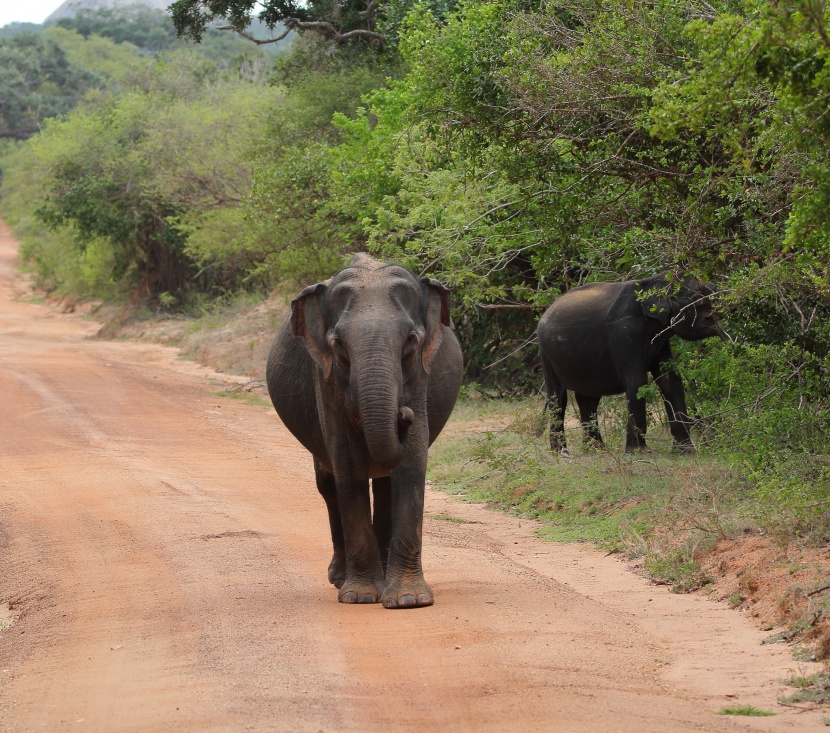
{"x":390,"y":603}
{"x":424,"y":600}
{"x":366,"y":598}
{"x":407,"y":600}
{"x":348,"y":597}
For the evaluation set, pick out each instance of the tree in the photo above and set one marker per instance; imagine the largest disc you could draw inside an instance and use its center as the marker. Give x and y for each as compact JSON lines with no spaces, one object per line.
{"x":37,"y":81}
{"x":134,"y":173}
{"x":368,"y":21}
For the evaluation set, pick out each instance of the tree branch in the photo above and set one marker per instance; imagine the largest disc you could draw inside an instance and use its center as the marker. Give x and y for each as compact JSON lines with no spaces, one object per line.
{"x":249,"y":37}
{"x":324,"y":28}
{"x":329,"y":31}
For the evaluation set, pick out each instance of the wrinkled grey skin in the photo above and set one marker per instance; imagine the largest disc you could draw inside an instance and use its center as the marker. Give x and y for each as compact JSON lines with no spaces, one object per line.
{"x":365,"y":374}
{"x":606,"y":338}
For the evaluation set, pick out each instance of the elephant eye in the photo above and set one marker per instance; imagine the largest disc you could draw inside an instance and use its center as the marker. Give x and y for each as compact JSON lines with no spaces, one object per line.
{"x":411,"y":344}
{"x":340,"y":351}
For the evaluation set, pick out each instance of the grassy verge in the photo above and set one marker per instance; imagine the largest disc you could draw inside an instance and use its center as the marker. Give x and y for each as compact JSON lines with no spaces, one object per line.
{"x":661,"y":506}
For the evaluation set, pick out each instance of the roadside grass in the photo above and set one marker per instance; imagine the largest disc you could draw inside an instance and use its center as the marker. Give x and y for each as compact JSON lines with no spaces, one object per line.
{"x":814,"y":689}
{"x":746,"y":710}
{"x":663,"y":507}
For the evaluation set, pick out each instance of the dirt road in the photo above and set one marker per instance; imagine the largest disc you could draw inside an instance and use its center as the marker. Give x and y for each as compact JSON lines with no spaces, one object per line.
{"x":163,"y":558}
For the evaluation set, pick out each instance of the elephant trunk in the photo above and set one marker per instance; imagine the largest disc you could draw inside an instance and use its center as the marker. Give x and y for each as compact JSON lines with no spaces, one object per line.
{"x":384,"y":421}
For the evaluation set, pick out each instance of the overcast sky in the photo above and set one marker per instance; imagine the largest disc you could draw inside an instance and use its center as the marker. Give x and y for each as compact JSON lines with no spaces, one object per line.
{"x":26,"y":11}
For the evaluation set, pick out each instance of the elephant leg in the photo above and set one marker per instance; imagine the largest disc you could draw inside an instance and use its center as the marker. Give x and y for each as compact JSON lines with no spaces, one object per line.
{"x":635,"y":434}
{"x":556,"y":402}
{"x":382,"y":516}
{"x":328,"y":490}
{"x":588,"y":407}
{"x":364,"y":577}
{"x":405,"y":584}
{"x":670,"y":384}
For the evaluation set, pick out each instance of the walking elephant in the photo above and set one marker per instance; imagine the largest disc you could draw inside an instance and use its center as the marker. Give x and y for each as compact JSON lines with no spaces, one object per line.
{"x":365,"y":373}
{"x":606,"y":338}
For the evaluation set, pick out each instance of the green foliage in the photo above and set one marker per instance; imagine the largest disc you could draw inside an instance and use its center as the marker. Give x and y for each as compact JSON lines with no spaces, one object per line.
{"x":105,"y":174}
{"x":393,"y":22}
{"x":111,"y":62}
{"x":766,"y":406}
{"x":297,"y":232}
{"x":746,"y":710}
{"x":37,"y":81}
{"x":288,"y":204}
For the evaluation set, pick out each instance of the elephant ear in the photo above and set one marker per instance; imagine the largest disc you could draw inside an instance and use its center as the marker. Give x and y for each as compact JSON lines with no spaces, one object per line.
{"x":436,"y":317}
{"x":655,"y":303}
{"x":308,"y":323}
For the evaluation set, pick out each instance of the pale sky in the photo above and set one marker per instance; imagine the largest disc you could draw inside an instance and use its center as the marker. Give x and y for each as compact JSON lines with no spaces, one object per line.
{"x":26,"y":11}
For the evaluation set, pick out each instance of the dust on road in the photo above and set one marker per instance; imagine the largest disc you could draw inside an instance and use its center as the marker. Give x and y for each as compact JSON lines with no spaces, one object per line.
{"x":163,"y":556}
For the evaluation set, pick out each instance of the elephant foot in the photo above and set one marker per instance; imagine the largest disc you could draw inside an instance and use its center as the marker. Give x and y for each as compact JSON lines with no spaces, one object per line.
{"x":337,"y":569}
{"x":356,"y":592}
{"x":407,"y":594}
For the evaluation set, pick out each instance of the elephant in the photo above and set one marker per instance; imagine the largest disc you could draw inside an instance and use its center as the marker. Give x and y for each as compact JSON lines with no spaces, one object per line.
{"x":365,"y":372}
{"x":605,"y":338}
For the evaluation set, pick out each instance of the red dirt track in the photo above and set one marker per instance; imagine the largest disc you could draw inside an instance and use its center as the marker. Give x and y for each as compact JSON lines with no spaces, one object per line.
{"x":163,"y":555}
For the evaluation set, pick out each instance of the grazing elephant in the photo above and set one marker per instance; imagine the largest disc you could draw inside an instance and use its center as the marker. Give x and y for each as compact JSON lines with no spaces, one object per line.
{"x":605,"y":338}
{"x":365,"y":373}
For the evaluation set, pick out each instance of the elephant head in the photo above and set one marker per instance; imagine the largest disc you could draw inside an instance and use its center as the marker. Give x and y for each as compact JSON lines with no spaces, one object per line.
{"x":682,"y":307}
{"x":373,"y":331}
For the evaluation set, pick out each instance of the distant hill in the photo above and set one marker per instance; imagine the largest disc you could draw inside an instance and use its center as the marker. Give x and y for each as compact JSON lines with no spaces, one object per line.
{"x":69,"y":7}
